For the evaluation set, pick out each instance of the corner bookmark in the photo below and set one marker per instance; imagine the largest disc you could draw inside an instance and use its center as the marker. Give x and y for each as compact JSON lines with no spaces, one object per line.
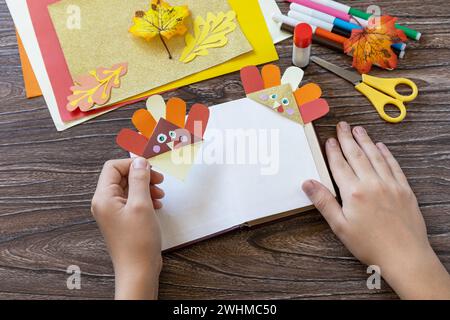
{"x":282,"y":95}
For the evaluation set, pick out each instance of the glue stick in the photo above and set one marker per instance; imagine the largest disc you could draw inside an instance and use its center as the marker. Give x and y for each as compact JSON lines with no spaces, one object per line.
{"x":302,"y":45}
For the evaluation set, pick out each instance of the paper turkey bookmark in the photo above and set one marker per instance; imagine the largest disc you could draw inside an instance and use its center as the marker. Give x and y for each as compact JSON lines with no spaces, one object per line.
{"x":164,"y":133}
{"x":282,"y":95}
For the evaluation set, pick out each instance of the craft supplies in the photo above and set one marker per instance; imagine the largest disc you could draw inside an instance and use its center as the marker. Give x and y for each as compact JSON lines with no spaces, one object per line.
{"x":322,"y":8}
{"x":301,"y":49}
{"x":355,"y":13}
{"x":380,"y":92}
{"x":48,"y":61}
{"x":331,"y":23}
{"x":288,"y":24}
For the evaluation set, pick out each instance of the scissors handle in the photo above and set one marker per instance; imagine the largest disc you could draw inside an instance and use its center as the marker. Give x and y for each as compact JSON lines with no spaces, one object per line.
{"x":389,"y":85}
{"x":380,"y":100}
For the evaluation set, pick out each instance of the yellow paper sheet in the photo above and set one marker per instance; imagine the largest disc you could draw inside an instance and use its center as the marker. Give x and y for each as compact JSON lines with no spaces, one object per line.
{"x":255,"y":29}
{"x":103,"y":40}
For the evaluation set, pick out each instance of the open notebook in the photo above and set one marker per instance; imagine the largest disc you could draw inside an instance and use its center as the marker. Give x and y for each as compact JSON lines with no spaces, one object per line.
{"x":218,"y":196}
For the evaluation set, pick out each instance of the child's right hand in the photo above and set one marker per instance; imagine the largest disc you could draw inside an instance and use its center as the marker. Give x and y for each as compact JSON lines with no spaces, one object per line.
{"x":380,"y":221}
{"x":124,"y":206}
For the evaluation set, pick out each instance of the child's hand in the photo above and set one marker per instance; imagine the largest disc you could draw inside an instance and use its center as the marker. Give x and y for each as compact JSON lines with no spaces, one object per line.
{"x":124,"y":207}
{"x":380,"y":221}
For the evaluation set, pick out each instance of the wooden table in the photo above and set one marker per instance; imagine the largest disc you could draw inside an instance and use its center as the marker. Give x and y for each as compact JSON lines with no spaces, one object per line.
{"x":47,"y":180}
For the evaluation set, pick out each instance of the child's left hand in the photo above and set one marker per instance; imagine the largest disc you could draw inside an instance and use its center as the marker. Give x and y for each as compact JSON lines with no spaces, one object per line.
{"x":124,"y":206}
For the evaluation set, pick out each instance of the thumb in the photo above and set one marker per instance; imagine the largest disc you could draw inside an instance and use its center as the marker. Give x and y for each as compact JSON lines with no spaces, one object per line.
{"x":139,"y":183}
{"x":325,"y":202}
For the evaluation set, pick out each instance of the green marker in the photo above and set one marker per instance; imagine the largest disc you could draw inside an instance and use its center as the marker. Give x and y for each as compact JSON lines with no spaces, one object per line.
{"x":410,"y":33}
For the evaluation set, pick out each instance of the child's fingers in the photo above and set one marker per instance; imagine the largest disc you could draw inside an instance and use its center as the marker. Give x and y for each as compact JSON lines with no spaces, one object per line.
{"x":393,"y":164}
{"x":325,"y":202}
{"x":139,"y":184}
{"x":156,"y":178}
{"x":112,"y":173}
{"x":373,"y":154}
{"x":342,"y":173}
{"x":156,"y":193}
{"x":157,"y":204}
{"x":355,"y":156}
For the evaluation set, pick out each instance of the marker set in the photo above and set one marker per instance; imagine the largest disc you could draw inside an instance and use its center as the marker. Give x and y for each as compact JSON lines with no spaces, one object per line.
{"x":332,"y":23}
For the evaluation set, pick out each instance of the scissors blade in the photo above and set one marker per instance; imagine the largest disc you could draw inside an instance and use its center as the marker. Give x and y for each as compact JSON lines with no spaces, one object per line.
{"x":353,"y":77}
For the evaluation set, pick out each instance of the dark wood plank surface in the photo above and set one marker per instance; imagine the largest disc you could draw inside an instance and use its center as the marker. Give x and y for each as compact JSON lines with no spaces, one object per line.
{"x":47,"y":180}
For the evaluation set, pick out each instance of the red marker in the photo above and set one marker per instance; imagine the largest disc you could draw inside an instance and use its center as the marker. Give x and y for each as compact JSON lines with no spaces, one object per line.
{"x":302,"y":45}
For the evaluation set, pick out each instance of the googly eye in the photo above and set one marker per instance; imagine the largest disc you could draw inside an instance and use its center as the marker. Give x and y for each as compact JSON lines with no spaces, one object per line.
{"x":184,"y":139}
{"x":285,"y":101}
{"x":173,"y":134}
{"x":161,"y":138}
{"x":274,"y":96}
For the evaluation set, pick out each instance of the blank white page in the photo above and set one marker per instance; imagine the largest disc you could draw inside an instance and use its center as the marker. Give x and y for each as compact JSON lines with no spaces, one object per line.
{"x":216,"y":197}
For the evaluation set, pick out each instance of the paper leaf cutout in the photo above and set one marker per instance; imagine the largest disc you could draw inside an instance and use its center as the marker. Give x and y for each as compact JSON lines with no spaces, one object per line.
{"x":307,"y":93}
{"x":314,"y":110}
{"x":208,"y":34}
{"x":372,"y":45}
{"x":271,"y":75}
{"x":144,"y":122}
{"x":95,"y":87}
{"x":156,"y":106}
{"x":197,"y":120}
{"x":251,"y":79}
{"x":293,"y":76}
{"x":160,"y":20}
{"x":176,"y":111}
{"x":132,"y":141}
{"x":279,"y":99}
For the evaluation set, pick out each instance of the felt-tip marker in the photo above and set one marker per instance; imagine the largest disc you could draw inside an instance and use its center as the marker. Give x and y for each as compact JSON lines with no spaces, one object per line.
{"x":355,"y":14}
{"x":338,"y":24}
{"x":288,"y":24}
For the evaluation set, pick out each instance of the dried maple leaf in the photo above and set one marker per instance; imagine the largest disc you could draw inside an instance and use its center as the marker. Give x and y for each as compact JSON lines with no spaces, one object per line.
{"x":160,"y":20}
{"x":95,"y":87}
{"x":372,"y":45}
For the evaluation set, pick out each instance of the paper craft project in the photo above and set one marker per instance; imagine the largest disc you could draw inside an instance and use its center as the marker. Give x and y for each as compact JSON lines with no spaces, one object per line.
{"x":163,"y":129}
{"x":57,"y":81}
{"x":267,"y":7}
{"x":55,"y":92}
{"x":220,"y":193}
{"x":148,"y":65}
{"x":282,"y":95}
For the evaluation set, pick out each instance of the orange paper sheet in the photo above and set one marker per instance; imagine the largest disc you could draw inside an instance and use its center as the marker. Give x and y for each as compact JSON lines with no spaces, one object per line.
{"x":32,"y":88}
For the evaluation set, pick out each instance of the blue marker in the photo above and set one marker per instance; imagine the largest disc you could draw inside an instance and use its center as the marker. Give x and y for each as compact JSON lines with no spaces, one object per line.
{"x":298,"y":12}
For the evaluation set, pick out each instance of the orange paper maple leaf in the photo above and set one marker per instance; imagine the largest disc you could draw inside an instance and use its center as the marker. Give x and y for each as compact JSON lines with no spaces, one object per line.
{"x":372,"y":45}
{"x":95,"y":87}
